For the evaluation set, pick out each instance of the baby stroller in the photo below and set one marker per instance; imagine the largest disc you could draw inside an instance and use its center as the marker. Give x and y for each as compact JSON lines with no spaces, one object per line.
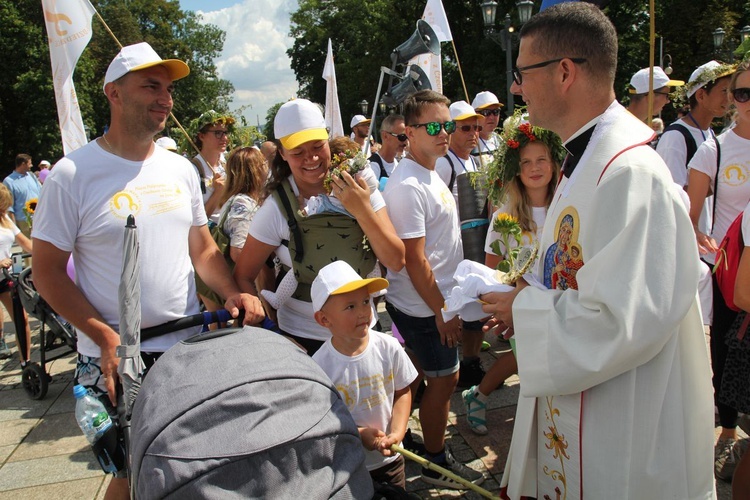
{"x":55,"y":333}
{"x":243,"y":414}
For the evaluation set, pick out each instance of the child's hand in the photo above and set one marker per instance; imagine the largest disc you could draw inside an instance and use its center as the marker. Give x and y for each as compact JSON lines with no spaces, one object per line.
{"x":385,"y":443}
{"x":371,"y":437}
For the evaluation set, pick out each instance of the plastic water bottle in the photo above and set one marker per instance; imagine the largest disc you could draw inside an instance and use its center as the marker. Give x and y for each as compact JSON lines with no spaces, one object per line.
{"x":95,"y":422}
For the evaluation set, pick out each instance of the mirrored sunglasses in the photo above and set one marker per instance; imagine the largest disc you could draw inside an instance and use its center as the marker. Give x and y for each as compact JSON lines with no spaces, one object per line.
{"x":433,"y":128}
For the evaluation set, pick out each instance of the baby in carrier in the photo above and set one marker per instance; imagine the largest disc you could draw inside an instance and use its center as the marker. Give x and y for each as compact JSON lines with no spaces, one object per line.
{"x":345,"y":157}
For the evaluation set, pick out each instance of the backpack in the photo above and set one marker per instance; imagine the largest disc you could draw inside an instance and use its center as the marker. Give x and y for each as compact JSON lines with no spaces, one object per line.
{"x":690,"y":145}
{"x":728,"y":261}
{"x":223,"y":242}
{"x":243,"y":415}
{"x":199,"y":170}
{"x":379,"y":160}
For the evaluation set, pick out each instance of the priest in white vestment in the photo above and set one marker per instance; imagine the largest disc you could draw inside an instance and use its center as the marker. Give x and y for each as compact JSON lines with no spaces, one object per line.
{"x":616,"y":397}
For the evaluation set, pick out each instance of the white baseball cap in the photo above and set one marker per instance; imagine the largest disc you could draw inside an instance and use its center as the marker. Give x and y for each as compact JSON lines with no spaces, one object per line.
{"x":706,"y":73}
{"x":44,"y":163}
{"x":166,"y":143}
{"x":338,"y":278}
{"x":639,"y":82}
{"x":141,"y":56}
{"x":484,"y":100}
{"x":358,"y":120}
{"x":461,"y":110}
{"x":299,"y":121}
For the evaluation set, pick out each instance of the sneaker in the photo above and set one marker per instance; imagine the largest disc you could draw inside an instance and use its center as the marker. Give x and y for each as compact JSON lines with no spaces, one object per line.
{"x":4,"y":351}
{"x":470,"y":373}
{"x":475,"y":411}
{"x":459,"y":469}
{"x":726,"y":456}
{"x":412,"y":445}
{"x":485,"y":346}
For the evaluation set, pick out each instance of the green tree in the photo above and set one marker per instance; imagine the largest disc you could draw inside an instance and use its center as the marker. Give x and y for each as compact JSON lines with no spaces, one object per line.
{"x":28,"y":114}
{"x":270,"y":116}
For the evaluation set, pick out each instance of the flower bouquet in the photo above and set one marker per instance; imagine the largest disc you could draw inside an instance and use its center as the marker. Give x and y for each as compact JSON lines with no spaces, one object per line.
{"x":29,"y":208}
{"x":351,"y":160}
{"x":518,"y":260}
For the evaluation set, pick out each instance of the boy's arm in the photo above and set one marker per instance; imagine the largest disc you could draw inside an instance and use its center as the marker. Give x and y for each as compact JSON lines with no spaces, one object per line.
{"x":399,"y":421}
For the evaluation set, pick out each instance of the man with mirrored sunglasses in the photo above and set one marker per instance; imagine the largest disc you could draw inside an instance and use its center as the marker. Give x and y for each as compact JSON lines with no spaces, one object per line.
{"x":425,"y":217}
{"x":393,"y":143}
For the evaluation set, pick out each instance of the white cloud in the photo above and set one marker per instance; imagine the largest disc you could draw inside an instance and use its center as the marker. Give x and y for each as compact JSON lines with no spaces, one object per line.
{"x":254,"y":57}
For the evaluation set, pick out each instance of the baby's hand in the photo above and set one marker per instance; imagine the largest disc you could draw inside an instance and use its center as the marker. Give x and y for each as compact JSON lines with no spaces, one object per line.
{"x":371,"y":437}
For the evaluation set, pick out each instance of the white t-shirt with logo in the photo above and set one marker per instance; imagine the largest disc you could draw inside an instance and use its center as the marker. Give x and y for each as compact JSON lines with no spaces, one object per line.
{"x":733,"y":191}
{"x":368,"y":382}
{"x":83,"y":209}
{"x":420,"y":205}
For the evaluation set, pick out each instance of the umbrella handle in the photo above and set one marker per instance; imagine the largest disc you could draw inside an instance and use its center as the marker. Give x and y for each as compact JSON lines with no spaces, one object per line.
{"x":429,"y":465}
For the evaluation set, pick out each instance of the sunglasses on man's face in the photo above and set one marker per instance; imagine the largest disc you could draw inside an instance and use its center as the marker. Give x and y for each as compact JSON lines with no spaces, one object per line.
{"x":400,"y":137}
{"x":489,"y":112}
{"x":741,"y":95}
{"x":433,"y":128}
{"x":471,"y":128}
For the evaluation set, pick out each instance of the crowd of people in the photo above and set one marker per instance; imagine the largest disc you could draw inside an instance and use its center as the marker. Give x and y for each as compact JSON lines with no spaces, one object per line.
{"x":608,"y":337}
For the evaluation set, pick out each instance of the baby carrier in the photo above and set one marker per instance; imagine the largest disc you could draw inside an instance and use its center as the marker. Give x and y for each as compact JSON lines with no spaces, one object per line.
{"x":318,"y":240}
{"x":243,"y":415}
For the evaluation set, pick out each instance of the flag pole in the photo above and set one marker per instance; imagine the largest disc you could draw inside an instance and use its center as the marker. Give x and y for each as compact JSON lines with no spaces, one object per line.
{"x":651,"y":55}
{"x":460,"y":71}
{"x":171,"y":115}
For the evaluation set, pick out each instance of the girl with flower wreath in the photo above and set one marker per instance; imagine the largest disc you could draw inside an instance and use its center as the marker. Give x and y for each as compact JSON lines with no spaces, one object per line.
{"x":10,"y":235}
{"x":522,"y":180}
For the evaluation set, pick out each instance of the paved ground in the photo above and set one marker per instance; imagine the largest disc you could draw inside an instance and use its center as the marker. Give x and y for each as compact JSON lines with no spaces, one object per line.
{"x":43,"y":453}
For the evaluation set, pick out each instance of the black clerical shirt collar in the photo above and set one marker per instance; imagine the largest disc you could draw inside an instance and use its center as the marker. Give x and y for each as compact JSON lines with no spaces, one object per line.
{"x":575,"y":147}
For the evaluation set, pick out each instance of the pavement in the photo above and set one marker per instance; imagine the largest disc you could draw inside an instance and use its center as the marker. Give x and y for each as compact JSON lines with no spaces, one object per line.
{"x":44,"y":455}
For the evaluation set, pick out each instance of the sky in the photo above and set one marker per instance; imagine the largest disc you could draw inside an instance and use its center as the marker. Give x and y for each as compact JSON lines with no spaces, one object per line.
{"x":254,"y":57}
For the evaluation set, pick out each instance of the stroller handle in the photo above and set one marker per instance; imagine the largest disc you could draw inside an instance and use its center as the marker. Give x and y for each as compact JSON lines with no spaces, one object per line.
{"x":204,"y":318}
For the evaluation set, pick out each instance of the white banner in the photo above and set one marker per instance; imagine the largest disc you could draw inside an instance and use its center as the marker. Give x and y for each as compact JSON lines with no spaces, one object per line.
{"x":431,"y":64}
{"x":333,"y":110}
{"x":69,"y":31}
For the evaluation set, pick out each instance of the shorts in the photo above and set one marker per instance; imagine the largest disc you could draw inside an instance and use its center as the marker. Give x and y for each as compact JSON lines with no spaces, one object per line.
{"x":5,"y":285}
{"x":421,"y":335}
{"x":393,"y":473}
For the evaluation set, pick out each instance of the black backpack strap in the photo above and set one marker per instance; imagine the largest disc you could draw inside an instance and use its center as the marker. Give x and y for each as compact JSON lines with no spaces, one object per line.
{"x":453,"y":173}
{"x":379,"y":160}
{"x":690,"y":145}
{"x":199,"y":169}
{"x":291,"y":220}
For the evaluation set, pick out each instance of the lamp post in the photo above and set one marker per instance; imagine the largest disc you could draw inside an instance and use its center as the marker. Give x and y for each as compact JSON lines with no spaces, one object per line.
{"x":504,"y":37}
{"x":719,"y":36}
{"x":363,"y":105}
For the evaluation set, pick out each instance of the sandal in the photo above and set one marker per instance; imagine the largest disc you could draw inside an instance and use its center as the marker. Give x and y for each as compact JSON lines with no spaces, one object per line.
{"x":475,"y":411}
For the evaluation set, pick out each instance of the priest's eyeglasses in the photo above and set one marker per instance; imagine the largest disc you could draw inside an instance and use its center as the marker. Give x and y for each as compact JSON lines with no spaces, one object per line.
{"x":518,"y":72}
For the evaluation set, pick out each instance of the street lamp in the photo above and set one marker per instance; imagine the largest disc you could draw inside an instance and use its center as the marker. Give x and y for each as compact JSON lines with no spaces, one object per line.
{"x":363,"y":104}
{"x":744,"y":33}
{"x":718,"y":34}
{"x":505,"y":37}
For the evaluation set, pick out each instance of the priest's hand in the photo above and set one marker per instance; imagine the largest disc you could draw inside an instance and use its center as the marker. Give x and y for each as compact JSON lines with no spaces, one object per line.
{"x":500,"y":305}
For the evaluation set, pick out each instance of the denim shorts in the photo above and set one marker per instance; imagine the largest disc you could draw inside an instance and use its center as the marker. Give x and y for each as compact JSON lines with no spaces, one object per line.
{"x":421,"y":335}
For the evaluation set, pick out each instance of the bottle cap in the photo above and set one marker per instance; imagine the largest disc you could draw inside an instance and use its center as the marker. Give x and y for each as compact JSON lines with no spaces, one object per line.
{"x":79,"y":391}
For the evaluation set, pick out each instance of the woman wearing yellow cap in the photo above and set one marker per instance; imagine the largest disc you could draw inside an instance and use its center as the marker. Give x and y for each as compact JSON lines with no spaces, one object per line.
{"x":306,"y":244}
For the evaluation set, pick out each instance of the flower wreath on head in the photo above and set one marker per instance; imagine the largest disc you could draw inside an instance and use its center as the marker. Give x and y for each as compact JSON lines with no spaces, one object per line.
{"x":208,"y":118}
{"x":679,"y":96}
{"x":506,"y":162}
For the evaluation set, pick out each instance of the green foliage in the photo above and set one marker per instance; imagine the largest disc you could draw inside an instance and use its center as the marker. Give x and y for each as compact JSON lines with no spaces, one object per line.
{"x":28,"y":113}
{"x":270,"y":116}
